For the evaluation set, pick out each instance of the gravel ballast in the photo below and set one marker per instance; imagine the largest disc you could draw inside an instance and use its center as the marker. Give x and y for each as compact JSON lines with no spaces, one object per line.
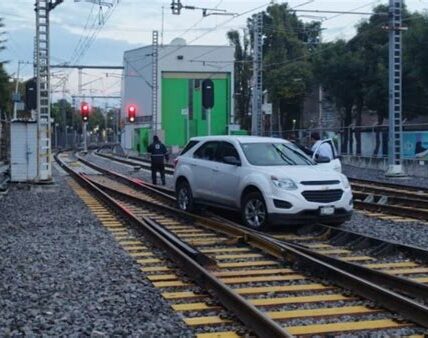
{"x":62,"y":273}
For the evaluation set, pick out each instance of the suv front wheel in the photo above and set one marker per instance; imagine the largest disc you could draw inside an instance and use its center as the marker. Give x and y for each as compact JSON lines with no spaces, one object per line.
{"x":184,"y":196}
{"x":254,"y":212}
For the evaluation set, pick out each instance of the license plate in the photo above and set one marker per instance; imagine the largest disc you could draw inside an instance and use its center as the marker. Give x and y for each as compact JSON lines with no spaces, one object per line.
{"x":325,"y":211}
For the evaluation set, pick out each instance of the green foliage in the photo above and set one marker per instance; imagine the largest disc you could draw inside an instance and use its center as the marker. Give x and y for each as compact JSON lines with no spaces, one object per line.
{"x":5,"y":90}
{"x":243,"y":74}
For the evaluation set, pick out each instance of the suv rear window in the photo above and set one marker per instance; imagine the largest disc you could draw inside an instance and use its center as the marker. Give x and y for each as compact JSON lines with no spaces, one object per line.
{"x":189,"y":146}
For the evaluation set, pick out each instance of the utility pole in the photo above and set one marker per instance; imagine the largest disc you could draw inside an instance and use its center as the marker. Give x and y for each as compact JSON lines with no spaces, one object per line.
{"x":63,"y":112}
{"x":42,"y":8}
{"x":15,"y":103}
{"x":155,"y":54}
{"x":85,"y":124}
{"x":395,"y":153}
{"x":257,"y":94}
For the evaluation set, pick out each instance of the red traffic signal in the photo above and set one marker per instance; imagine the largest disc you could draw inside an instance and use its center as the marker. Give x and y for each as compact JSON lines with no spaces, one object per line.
{"x":132,"y":112}
{"x":84,"y":111}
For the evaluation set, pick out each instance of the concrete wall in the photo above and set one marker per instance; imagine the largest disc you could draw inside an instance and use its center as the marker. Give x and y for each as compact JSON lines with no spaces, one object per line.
{"x":411,"y":167}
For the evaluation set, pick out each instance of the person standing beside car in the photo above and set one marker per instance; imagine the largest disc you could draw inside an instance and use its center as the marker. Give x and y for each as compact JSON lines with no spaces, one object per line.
{"x":158,"y":154}
{"x":321,"y":148}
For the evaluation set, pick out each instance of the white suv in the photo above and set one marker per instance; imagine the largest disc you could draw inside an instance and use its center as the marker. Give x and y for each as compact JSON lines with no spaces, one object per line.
{"x":269,"y":180}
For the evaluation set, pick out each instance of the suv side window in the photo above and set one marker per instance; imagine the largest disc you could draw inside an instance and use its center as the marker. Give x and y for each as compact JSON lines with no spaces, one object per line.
{"x":226,"y":149}
{"x":207,"y":151}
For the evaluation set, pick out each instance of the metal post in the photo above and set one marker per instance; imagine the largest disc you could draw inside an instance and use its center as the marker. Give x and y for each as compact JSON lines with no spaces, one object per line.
{"x":188,"y":126}
{"x":209,"y":121}
{"x":44,"y":170}
{"x":395,"y":154}
{"x":155,"y":53}
{"x":320,"y":97}
{"x":85,"y":144}
{"x":257,"y":94}
{"x":15,"y":106}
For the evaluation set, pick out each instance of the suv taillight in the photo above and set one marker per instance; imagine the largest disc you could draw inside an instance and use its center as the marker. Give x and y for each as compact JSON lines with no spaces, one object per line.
{"x":175,"y":162}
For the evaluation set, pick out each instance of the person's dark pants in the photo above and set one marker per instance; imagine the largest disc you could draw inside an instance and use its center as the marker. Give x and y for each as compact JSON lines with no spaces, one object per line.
{"x":158,"y":167}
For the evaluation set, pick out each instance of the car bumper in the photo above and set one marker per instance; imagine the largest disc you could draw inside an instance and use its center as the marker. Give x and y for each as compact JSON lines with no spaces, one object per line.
{"x":309,"y":217}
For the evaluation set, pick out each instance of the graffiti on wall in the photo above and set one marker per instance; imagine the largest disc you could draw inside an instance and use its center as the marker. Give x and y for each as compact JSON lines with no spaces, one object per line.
{"x":415,"y":145}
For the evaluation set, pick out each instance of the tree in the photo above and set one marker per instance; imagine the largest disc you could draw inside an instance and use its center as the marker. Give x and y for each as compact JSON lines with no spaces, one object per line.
{"x":5,"y":103}
{"x":242,"y":85}
{"x":287,"y":72}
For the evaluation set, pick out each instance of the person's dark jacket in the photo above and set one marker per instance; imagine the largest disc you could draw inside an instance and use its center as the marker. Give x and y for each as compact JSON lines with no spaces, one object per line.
{"x":158,"y":152}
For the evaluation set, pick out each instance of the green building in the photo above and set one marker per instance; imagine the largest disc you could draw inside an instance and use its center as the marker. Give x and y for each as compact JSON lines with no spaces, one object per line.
{"x":181,"y":71}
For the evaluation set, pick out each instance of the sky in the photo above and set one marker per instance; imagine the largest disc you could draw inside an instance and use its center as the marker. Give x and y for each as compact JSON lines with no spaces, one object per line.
{"x":130,"y":24}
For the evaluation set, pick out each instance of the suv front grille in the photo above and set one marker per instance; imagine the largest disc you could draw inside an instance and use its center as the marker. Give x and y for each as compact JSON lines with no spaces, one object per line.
{"x":323,"y":196}
{"x":320,"y":182}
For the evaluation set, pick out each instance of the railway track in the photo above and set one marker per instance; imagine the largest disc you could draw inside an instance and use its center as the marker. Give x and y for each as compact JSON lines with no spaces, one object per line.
{"x":269,"y":276}
{"x":406,"y":202}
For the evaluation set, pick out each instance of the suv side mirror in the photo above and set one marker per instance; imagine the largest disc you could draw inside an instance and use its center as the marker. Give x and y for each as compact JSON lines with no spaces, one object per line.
{"x":231,"y":160}
{"x":322,"y":159}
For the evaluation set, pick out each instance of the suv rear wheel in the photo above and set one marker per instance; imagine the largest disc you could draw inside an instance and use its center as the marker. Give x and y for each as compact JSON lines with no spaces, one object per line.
{"x":254,"y":211}
{"x":184,"y":196}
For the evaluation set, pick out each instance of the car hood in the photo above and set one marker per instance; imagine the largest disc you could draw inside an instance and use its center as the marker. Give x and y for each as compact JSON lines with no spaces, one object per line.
{"x":301,"y":173}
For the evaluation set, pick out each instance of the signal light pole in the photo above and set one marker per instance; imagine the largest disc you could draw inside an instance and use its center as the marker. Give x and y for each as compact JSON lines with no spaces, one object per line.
{"x":84,"y":112}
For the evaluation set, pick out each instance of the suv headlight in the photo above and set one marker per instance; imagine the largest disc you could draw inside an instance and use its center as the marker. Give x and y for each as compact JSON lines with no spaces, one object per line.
{"x":345,"y":182}
{"x":283,"y":183}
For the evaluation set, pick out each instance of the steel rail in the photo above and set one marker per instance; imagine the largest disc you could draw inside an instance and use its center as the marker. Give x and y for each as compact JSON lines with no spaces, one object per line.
{"x":389,"y":185}
{"x":396,"y":210}
{"x":392,"y":200}
{"x":408,"y":308}
{"x":252,"y":317}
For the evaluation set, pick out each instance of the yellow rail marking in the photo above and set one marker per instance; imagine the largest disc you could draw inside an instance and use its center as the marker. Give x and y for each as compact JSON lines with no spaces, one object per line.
{"x":284,"y":288}
{"x":344,"y":327}
{"x":333,"y":251}
{"x":224,"y":334}
{"x":109,"y":226}
{"x":148,"y":261}
{"x":168,"y":284}
{"x":193,"y":307}
{"x":319,"y":246}
{"x":188,"y":231}
{"x":197,"y":235}
{"x":209,"y":320}
{"x":155,"y":269}
{"x":134,"y":248}
{"x":119,"y":232}
{"x":180,"y":295}
{"x":406,"y":271}
{"x":156,"y":278}
{"x":215,"y":250}
{"x":203,"y":242}
{"x":141,"y":254}
{"x":391,"y":265}
{"x":357,"y":258}
{"x":421,"y":279}
{"x":296,"y":238}
{"x":252,"y":272}
{"x":347,"y":310}
{"x":255,"y":279}
{"x":239,"y":256}
{"x":246,"y":264}
{"x":130,"y":243}
{"x":299,"y":300}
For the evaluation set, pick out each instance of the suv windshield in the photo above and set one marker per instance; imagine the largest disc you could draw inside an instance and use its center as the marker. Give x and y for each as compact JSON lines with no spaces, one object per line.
{"x":274,"y":154}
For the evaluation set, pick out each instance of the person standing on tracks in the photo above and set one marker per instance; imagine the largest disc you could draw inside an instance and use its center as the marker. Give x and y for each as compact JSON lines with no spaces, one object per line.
{"x":158,"y":154}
